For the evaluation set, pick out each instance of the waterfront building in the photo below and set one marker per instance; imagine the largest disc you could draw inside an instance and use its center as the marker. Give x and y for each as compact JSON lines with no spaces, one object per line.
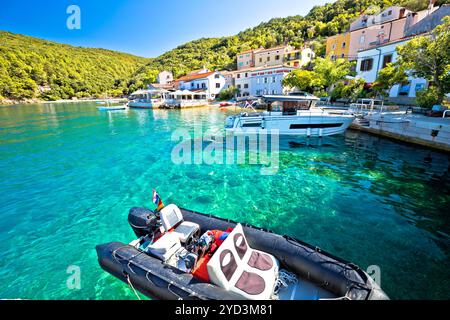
{"x":246,"y":59}
{"x":257,"y":81}
{"x":275,"y":56}
{"x":371,"y":31}
{"x":425,"y":21}
{"x":272,"y":56}
{"x":371,"y":61}
{"x":165,"y":77}
{"x":207,"y":82}
{"x":338,"y":46}
{"x":229,"y":78}
{"x":298,"y":58}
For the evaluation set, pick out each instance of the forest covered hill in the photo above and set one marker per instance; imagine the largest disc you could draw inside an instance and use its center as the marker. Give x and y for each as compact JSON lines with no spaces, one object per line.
{"x":35,"y":68}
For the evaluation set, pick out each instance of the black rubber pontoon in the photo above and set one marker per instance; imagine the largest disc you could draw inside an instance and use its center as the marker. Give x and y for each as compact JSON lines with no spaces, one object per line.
{"x":155,"y":279}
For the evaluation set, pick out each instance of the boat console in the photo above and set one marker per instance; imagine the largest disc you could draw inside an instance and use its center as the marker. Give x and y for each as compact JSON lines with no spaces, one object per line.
{"x":218,"y":257}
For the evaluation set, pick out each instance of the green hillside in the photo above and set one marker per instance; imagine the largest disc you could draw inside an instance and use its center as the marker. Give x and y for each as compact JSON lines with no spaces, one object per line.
{"x":35,"y":68}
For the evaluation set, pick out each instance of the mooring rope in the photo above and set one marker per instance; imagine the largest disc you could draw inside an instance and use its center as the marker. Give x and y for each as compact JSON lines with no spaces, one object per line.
{"x":132,"y":287}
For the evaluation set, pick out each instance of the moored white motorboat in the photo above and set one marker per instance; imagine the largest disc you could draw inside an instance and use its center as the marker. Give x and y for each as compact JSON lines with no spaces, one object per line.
{"x":289,"y":115}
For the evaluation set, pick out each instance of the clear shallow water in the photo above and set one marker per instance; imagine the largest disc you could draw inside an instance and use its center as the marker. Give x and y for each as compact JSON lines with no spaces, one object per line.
{"x":69,"y":174}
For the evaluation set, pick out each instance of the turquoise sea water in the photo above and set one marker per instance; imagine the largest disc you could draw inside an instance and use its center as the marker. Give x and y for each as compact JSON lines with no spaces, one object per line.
{"x":69,"y":175}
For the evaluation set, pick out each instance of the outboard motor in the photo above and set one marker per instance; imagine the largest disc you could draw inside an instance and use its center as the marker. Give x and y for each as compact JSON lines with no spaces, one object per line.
{"x":143,"y":221}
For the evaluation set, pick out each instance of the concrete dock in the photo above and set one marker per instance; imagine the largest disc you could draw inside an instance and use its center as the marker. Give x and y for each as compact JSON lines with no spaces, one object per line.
{"x":413,"y":128}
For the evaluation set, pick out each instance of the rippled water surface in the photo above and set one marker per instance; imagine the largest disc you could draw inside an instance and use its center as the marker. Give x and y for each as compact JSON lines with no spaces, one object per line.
{"x":69,"y":174}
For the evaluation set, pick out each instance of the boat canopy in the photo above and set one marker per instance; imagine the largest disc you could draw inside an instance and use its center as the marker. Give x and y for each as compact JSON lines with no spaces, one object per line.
{"x":272,"y":98}
{"x":288,"y":105}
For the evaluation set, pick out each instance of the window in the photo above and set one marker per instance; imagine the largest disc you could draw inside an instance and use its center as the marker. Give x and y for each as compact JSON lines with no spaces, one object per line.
{"x":260,"y":59}
{"x":192,"y":84}
{"x":343,"y":45}
{"x":386,"y":59}
{"x":266,"y":80}
{"x":420,"y":86}
{"x":246,"y":86}
{"x":217,"y":76}
{"x":274,"y":92}
{"x":366,"y":65}
{"x":217,"y":85}
{"x":246,"y":75}
{"x":238,"y":75}
{"x":404,"y":89}
{"x":362,"y":39}
{"x":274,"y":79}
{"x":238,"y":86}
{"x":342,"y":55}
{"x":333,"y":46}
{"x":277,"y":57}
{"x":268,"y":59}
{"x":389,"y":12}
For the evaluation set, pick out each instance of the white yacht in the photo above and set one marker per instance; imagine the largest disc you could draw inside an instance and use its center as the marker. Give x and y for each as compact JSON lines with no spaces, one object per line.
{"x":290,"y":115}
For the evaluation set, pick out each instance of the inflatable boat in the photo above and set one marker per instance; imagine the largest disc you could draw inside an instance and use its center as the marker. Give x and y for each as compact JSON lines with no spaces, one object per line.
{"x":182,"y":254}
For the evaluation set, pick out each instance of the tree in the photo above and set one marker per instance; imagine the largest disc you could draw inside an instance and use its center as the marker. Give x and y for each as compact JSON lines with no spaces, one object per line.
{"x":429,"y":57}
{"x":387,"y":78}
{"x":330,"y":72}
{"x":302,"y":80}
{"x":228,"y":93}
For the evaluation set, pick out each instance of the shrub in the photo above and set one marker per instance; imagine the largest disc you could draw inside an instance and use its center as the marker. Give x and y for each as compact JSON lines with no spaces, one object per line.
{"x":428,"y":98}
{"x":228,"y":93}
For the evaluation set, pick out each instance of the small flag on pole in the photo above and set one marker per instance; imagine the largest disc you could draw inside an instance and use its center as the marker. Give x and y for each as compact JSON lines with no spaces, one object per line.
{"x":157,"y":200}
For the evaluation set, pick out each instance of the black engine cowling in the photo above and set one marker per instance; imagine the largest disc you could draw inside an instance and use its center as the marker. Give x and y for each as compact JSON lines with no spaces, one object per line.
{"x":143,"y":221}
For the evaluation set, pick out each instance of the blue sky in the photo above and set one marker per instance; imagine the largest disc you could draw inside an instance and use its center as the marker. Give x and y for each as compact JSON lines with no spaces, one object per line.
{"x":143,"y":27}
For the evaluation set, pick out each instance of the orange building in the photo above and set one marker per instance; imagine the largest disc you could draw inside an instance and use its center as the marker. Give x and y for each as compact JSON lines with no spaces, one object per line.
{"x":338,"y":46}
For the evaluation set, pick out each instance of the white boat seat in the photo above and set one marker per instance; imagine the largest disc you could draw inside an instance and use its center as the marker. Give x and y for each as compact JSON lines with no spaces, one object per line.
{"x":238,"y":268}
{"x":165,"y":247}
{"x":172,"y":218}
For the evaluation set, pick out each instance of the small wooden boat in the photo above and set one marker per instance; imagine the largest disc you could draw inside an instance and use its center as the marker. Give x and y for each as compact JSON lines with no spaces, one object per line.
{"x":170,"y":260}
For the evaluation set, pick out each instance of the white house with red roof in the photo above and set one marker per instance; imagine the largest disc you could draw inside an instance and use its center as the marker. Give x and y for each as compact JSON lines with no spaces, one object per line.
{"x":204,"y":81}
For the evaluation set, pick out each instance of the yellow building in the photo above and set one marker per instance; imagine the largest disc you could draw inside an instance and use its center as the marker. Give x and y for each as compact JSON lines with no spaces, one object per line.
{"x":338,"y":46}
